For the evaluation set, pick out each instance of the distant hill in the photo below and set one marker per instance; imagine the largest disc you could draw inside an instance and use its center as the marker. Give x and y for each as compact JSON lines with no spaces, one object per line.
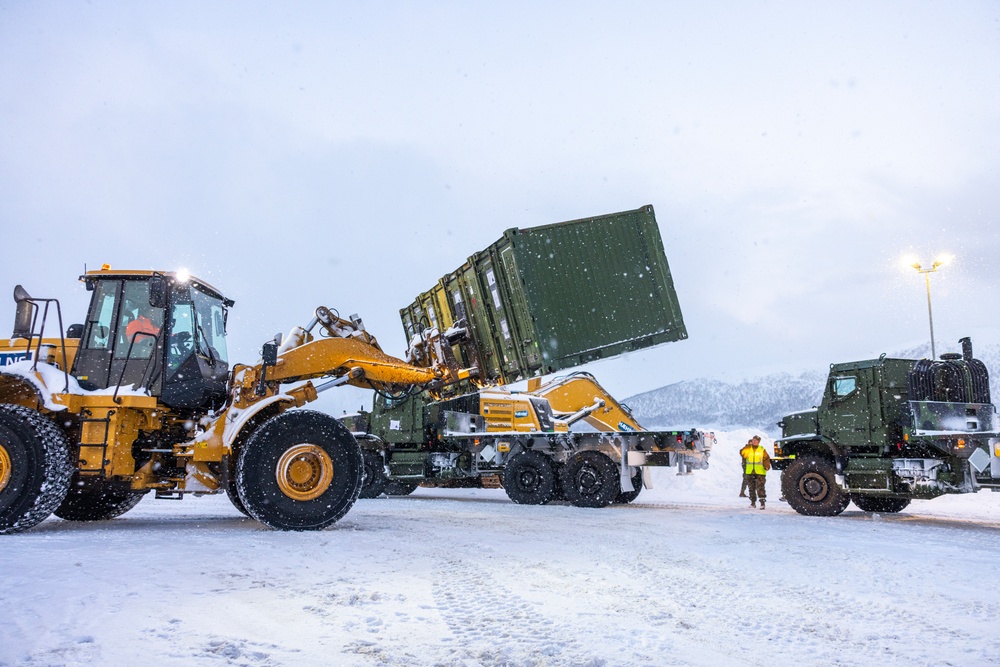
{"x":757,"y":402}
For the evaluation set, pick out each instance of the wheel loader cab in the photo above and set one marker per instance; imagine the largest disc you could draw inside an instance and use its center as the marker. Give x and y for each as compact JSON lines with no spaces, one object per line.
{"x":157,"y":332}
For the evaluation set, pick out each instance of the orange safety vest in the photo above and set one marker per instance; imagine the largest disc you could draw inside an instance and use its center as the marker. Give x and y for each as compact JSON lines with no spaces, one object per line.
{"x":755,"y":461}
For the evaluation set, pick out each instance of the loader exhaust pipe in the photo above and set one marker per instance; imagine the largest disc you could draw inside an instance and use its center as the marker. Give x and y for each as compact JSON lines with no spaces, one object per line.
{"x":24,"y":314}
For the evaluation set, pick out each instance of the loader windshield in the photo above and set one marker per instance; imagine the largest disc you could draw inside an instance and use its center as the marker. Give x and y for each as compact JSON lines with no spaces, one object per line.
{"x":197,"y":362}
{"x":198,"y":326}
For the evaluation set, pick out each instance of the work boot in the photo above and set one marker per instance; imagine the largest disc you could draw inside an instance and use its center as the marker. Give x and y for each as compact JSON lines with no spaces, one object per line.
{"x":762,"y":504}
{"x":753,"y":504}
{"x":743,"y":495}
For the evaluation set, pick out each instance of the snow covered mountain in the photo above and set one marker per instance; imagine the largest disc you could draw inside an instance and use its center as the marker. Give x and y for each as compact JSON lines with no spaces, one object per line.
{"x":758,"y":402}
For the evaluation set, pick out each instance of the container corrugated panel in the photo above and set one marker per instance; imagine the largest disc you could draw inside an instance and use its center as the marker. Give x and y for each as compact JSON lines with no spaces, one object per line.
{"x":548,"y":298}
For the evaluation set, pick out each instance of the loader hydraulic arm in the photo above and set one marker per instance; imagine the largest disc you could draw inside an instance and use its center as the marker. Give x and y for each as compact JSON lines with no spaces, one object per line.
{"x":571,"y":394}
{"x":343,"y":351}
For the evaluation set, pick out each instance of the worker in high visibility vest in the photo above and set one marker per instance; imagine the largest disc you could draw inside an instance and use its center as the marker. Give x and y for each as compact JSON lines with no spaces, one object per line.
{"x":757,"y":465}
{"x":743,"y":468}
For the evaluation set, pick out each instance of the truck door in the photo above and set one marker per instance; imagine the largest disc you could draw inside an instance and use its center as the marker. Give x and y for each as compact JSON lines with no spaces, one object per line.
{"x":847,"y":408}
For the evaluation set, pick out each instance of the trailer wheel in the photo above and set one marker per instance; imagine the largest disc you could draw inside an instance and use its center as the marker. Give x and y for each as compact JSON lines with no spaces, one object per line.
{"x":529,"y":479}
{"x":625,"y":497}
{"x":880,"y":504}
{"x":590,"y":479}
{"x":35,"y":468}
{"x":97,"y":501}
{"x":375,"y":479}
{"x":300,"y":470}
{"x":810,"y":487}
{"x":397,"y":488}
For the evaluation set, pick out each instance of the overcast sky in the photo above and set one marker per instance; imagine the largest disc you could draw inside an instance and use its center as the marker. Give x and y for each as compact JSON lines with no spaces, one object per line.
{"x":349,"y":154}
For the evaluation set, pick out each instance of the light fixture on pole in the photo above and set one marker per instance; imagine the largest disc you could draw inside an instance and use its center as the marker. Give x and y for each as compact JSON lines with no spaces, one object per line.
{"x":927,"y":280}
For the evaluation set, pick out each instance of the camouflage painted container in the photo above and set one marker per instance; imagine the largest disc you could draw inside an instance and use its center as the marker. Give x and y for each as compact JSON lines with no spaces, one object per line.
{"x":548,"y":298}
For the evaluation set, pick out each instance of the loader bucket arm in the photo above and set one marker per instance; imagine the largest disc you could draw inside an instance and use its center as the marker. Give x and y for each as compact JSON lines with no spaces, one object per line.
{"x":338,"y":357}
{"x":575,"y":392}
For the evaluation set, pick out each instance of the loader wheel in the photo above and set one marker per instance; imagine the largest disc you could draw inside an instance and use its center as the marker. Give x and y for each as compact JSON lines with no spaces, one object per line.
{"x":590,"y":479}
{"x":396,"y":488}
{"x":96,"y":502}
{"x":530,"y":479}
{"x":231,"y":490}
{"x":879,"y":504}
{"x":35,"y":468}
{"x":625,"y":497}
{"x":299,"y":470}
{"x":375,"y":479}
{"x":811,"y":489}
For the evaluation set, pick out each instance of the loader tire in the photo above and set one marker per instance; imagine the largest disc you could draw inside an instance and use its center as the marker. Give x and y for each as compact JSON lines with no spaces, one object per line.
{"x":231,"y":491}
{"x":300,"y":470}
{"x":375,"y":479}
{"x":810,"y":487}
{"x":530,"y":479}
{"x":96,"y":502}
{"x":590,"y":479}
{"x":35,"y":468}
{"x":397,"y":488}
{"x":880,"y":504}
{"x":625,"y":497}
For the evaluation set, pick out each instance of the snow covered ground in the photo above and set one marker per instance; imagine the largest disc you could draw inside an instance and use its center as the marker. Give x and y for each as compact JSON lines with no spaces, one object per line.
{"x":687,"y":575}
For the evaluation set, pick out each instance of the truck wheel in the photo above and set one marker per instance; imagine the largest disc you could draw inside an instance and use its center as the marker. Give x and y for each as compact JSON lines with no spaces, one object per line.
{"x":397,"y":488}
{"x":35,"y":468}
{"x":880,"y":504}
{"x":96,"y":502}
{"x":625,"y":497}
{"x":811,"y":489}
{"x":300,"y":470}
{"x":375,"y":479}
{"x":590,"y":479}
{"x":529,"y":479}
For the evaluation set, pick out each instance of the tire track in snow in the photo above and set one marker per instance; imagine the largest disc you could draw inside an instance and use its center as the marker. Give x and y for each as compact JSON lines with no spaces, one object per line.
{"x":496,"y":627}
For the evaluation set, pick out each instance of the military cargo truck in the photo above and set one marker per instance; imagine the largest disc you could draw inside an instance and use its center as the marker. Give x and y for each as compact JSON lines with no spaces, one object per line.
{"x":538,"y":300}
{"x":889,"y":431}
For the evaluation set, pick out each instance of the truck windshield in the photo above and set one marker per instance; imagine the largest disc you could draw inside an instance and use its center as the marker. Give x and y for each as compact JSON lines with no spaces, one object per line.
{"x":936,"y":417}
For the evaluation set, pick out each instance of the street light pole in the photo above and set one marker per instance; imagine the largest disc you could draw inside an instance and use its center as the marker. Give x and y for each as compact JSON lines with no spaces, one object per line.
{"x":927,"y":279}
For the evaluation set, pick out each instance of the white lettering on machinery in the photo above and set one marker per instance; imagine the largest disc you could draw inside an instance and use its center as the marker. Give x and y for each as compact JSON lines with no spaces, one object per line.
{"x":8,"y":358}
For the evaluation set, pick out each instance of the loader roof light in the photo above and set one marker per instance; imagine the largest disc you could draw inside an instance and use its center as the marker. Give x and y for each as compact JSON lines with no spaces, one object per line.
{"x":182,"y":275}
{"x":105,"y":267}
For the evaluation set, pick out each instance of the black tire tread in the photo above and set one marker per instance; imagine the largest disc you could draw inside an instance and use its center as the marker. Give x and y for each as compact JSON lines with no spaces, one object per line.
{"x":58,"y":468}
{"x":541,"y":493}
{"x":97,"y":503}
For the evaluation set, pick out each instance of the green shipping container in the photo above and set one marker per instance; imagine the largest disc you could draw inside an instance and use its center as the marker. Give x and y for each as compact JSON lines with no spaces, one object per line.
{"x":549,"y":298}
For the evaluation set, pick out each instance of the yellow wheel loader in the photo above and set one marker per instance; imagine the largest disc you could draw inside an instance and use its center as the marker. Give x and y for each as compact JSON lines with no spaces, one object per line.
{"x":142,"y":397}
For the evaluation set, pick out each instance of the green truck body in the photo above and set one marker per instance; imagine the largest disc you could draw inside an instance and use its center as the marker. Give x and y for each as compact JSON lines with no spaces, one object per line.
{"x":889,"y":431}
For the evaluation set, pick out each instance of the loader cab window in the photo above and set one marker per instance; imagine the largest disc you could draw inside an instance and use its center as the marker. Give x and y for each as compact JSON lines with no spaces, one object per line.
{"x":102,"y":313}
{"x":121,"y":339}
{"x":139,"y":324}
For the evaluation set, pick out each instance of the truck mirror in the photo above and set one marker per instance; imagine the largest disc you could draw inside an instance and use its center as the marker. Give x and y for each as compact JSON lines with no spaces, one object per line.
{"x":157,"y":292}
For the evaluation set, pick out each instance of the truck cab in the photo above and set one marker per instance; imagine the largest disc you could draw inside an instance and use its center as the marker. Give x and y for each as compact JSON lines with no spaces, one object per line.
{"x":891,"y":430}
